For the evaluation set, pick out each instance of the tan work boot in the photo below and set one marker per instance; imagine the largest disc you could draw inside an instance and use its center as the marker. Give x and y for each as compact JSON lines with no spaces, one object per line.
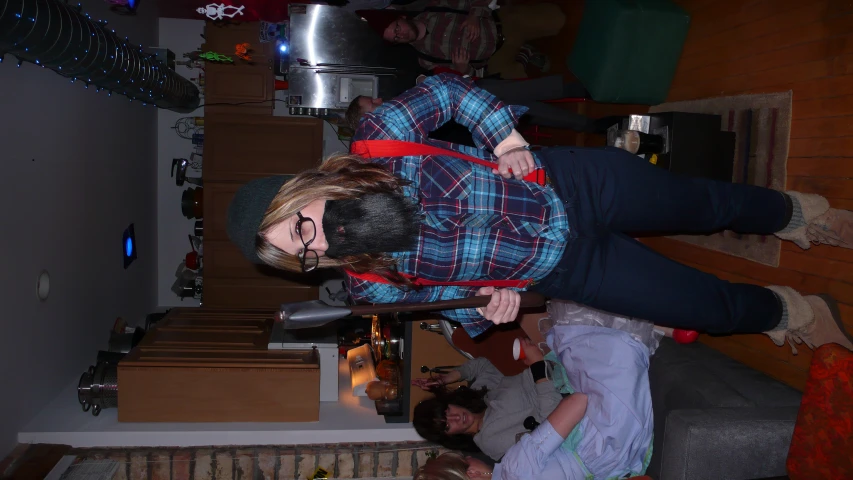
{"x":835,"y":227}
{"x":812,"y":207}
{"x":814,"y":320}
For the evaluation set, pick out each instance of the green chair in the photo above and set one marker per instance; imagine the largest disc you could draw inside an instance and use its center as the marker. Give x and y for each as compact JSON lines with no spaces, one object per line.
{"x":627,"y":50}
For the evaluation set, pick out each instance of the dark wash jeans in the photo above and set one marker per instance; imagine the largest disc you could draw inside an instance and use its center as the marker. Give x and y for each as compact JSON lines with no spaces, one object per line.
{"x":608,"y":192}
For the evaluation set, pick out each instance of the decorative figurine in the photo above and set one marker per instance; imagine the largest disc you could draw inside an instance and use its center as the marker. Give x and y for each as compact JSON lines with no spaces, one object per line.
{"x":243,"y":50}
{"x":215,"y":57}
{"x":216,"y":11}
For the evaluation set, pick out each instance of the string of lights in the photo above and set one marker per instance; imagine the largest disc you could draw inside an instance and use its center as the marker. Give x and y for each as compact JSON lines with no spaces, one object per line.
{"x":56,"y":35}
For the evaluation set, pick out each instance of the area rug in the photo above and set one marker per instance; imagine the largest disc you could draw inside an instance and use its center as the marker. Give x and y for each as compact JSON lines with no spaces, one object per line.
{"x":763,"y":126}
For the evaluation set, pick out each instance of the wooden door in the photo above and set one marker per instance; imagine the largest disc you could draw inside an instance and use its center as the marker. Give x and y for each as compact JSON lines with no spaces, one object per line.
{"x":238,"y":87}
{"x":223,"y":38}
{"x":255,"y":292}
{"x":232,"y":281}
{"x":231,"y":331}
{"x":235,"y":88}
{"x":217,"y":197}
{"x":238,"y":148}
{"x":172,"y":385}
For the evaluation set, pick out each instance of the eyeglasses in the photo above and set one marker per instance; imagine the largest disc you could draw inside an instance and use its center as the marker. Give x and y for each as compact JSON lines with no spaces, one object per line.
{"x":305,"y":228}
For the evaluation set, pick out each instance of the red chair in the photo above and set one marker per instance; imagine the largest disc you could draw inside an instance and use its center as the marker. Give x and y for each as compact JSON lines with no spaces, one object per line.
{"x":822,"y":446}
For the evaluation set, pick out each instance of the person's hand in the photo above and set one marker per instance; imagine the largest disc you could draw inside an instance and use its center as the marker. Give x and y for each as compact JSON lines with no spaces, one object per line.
{"x":426,"y":383}
{"x":532,"y":354}
{"x":452,"y":376}
{"x":460,"y":59}
{"x":503,"y":307}
{"x":477,"y":469}
{"x":519,"y":161}
{"x":471,"y":28}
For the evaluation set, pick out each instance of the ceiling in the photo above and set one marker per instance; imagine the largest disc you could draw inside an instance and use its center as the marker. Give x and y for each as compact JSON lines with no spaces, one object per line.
{"x":77,"y":168}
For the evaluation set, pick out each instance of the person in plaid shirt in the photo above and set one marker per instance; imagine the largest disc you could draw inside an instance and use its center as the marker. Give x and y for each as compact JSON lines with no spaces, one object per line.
{"x":408,"y":227}
{"x":467,"y":34}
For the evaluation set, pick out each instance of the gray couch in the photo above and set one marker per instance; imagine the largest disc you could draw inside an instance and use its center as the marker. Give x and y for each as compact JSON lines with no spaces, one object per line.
{"x":716,"y":418}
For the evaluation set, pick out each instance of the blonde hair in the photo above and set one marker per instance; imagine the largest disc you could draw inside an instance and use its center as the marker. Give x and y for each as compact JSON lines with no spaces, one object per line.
{"x":448,"y":466}
{"x":340,"y":177}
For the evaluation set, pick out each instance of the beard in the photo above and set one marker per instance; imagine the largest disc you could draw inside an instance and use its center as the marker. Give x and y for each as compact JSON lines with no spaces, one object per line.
{"x":375,"y":224}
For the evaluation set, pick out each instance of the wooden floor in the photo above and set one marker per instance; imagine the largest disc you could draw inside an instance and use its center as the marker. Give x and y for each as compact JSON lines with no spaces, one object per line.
{"x":754,"y":46}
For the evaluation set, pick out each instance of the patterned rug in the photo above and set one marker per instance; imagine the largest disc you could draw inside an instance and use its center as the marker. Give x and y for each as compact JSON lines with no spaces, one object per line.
{"x":763,"y":126}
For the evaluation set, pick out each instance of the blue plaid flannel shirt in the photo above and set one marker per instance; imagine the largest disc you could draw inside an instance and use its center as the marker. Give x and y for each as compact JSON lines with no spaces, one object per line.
{"x":476,"y":224}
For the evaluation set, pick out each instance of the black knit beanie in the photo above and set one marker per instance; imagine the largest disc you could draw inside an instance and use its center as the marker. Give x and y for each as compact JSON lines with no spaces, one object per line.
{"x":247,"y":210}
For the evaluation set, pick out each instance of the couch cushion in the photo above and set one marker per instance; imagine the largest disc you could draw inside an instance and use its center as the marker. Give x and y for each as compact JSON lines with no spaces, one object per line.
{"x":697,"y":376}
{"x":731,"y":443}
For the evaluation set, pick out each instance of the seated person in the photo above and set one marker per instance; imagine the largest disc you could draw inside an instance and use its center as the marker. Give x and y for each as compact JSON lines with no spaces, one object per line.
{"x":602,"y":429}
{"x":602,"y":355}
{"x":493,"y":39}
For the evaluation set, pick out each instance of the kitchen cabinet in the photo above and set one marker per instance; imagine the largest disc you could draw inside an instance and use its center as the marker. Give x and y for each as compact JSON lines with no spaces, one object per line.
{"x":223,"y":37}
{"x":211,"y":329}
{"x":428,"y":349}
{"x":239,"y":148}
{"x":239,"y":87}
{"x":231,"y":281}
{"x":212,"y":365}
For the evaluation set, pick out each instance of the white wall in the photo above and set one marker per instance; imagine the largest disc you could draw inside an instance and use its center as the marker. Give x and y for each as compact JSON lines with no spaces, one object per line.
{"x":180,"y":36}
{"x":76,"y":168}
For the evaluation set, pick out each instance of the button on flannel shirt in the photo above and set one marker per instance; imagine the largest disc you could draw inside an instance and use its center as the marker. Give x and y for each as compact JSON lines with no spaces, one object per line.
{"x":476,"y":224}
{"x":445,"y":32}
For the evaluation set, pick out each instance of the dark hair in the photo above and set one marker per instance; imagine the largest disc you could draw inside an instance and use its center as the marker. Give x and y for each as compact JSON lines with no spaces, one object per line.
{"x":430,"y":419}
{"x":353,"y":114}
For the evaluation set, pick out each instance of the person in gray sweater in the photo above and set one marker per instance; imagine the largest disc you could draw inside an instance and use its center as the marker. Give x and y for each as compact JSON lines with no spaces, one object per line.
{"x":489,"y":415}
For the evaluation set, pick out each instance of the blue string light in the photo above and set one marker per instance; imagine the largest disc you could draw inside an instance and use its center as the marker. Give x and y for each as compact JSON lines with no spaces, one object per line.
{"x":144,"y":59}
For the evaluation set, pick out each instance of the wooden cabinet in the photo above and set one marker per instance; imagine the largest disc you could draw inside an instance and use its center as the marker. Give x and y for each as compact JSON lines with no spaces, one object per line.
{"x":208,"y":329}
{"x":250,"y":85}
{"x":429,"y":350}
{"x":212,"y":365}
{"x":223,"y":37}
{"x":246,"y":89}
{"x":238,"y":148}
{"x":266,"y":291}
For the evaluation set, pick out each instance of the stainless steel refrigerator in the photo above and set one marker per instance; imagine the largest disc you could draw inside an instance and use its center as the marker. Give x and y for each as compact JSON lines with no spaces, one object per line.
{"x":335,"y":57}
